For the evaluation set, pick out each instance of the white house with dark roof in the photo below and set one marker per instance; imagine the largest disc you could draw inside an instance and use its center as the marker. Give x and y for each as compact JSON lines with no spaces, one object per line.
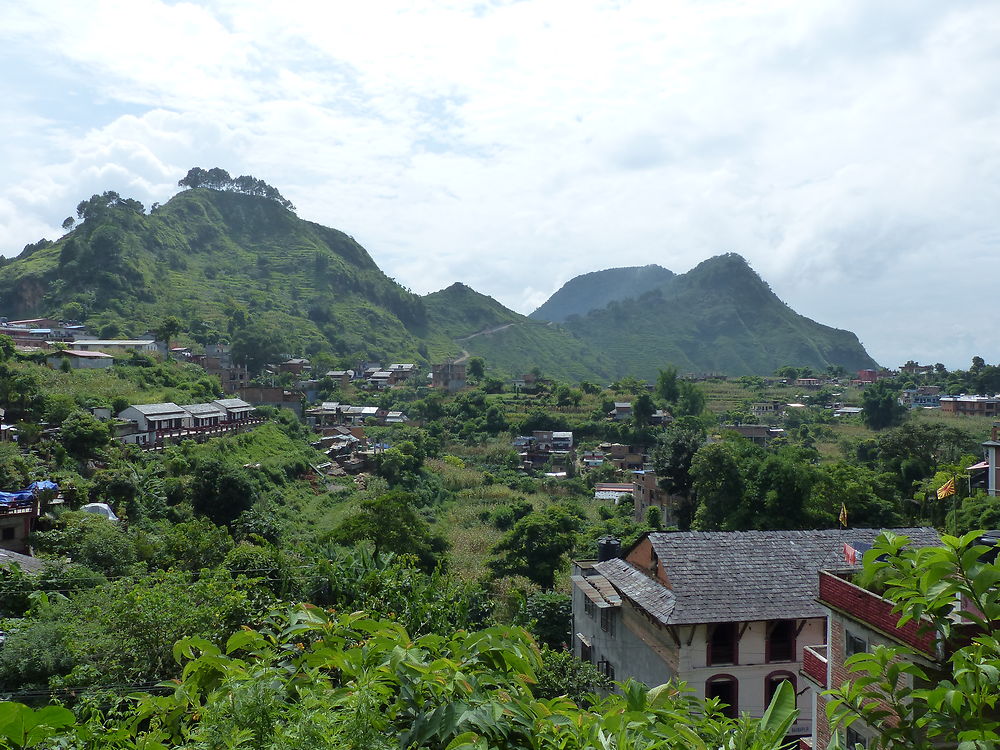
{"x":206,"y":415}
{"x":154,"y":417}
{"x":236,"y":409}
{"x":727,"y":612}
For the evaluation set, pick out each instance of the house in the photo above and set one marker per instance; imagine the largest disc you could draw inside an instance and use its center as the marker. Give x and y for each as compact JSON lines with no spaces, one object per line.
{"x":992,"y":466}
{"x":921,"y":397}
{"x":236,"y":409}
{"x":341,"y":378}
{"x":647,"y":493}
{"x":624,"y":456}
{"x":281,"y":398}
{"x":18,"y":511}
{"x":661,"y":417}
{"x":760,"y":434}
{"x":400,"y":372}
{"x":612,"y":490}
{"x":206,"y":415}
{"x":847,"y":411}
{"x":766,"y":408}
{"x":157,"y":417}
{"x":24,"y":562}
{"x":380,"y":379}
{"x":857,"y":620}
{"x":450,"y":376}
{"x":966,"y":405}
{"x":80,"y":360}
{"x":622,"y":410}
{"x":217,"y":360}
{"x":726,"y":612}
{"x":809,"y":382}
{"x":116,"y":346}
{"x":295,"y":365}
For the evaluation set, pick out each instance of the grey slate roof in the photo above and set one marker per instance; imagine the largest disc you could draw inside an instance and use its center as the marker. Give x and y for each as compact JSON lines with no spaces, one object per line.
{"x":232,"y":403}
{"x":157,"y":409}
{"x":742,"y":575}
{"x":27,"y":564}
{"x":203,"y":410}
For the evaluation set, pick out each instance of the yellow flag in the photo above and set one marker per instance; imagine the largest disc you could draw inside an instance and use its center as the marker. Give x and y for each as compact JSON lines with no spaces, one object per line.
{"x":843,"y":515}
{"x":946,"y":489}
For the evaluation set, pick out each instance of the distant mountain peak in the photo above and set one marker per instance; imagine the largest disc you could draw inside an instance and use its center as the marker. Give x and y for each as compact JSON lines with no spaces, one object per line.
{"x":594,"y":290}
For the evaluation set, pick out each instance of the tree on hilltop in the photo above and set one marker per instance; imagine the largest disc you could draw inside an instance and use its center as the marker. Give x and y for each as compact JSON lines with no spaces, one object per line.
{"x":219,"y":179}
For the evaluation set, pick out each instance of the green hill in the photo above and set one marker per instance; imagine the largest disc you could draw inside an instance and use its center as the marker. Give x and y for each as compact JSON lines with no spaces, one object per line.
{"x":510,"y":342}
{"x":246,"y":268}
{"x":222,"y":262}
{"x":719,"y":317}
{"x":236,"y":262}
{"x":592,"y":291}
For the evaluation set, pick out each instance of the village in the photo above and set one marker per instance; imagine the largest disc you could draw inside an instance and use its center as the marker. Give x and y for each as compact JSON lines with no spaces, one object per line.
{"x":734,"y":614}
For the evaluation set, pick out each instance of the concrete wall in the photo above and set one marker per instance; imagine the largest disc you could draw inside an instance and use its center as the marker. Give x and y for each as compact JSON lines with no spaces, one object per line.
{"x":752,"y":669}
{"x":637,"y":648}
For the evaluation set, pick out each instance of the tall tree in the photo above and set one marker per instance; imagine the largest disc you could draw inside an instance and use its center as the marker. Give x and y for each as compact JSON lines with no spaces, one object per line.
{"x":534,"y":548}
{"x":672,"y":457}
{"x":666,"y":384}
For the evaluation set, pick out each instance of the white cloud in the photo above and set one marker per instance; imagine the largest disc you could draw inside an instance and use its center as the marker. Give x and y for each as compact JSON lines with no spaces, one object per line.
{"x":849,"y":150}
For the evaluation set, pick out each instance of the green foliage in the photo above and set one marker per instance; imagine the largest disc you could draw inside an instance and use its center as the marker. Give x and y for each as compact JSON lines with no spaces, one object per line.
{"x":672,"y":456}
{"x":690,"y":400}
{"x":220,"y":491}
{"x":881,"y":407}
{"x":22,"y":727}
{"x":666,"y":384}
{"x":954,"y":589}
{"x":563,"y":674}
{"x":550,"y":615}
{"x":536,"y":545}
{"x":83,"y":435}
{"x":392,"y":523}
{"x":309,"y":679}
{"x":123,"y":631}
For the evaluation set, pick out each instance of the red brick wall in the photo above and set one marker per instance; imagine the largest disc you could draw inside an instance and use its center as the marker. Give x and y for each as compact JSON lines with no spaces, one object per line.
{"x":872,"y":610}
{"x":814,"y":666}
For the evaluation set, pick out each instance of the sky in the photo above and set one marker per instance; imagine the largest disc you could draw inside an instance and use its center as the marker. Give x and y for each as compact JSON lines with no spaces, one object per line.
{"x":848,"y":149}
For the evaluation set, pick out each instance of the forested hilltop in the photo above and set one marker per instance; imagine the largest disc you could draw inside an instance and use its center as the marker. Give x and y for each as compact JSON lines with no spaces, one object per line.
{"x":230,"y":259}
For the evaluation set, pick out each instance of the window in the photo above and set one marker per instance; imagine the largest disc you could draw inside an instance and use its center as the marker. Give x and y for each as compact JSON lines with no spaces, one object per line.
{"x":723,"y":644}
{"x":781,"y":641}
{"x":588,"y":606}
{"x":606,"y":668}
{"x":726,"y":689}
{"x":854,"y":644}
{"x":773,"y":681}
{"x":855,"y":738}
{"x":608,"y":621}
{"x":586,"y":653}
{"x":7,"y":533}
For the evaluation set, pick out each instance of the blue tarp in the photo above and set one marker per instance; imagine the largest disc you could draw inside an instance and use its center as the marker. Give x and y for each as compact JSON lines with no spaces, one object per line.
{"x":24,"y":497}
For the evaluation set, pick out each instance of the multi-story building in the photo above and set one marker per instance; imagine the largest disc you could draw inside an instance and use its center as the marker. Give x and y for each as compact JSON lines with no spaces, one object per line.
{"x":729,"y":613}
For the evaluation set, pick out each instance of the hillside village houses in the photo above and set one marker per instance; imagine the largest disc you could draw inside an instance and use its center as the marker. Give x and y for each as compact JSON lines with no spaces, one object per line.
{"x":729,"y":613}
{"x":151,"y":424}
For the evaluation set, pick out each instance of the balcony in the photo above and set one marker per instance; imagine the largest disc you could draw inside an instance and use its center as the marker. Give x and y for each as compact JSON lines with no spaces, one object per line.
{"x":814,"y":664}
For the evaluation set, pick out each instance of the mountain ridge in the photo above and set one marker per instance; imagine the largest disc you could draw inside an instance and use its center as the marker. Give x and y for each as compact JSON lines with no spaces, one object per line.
{"x":245,"y":268}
